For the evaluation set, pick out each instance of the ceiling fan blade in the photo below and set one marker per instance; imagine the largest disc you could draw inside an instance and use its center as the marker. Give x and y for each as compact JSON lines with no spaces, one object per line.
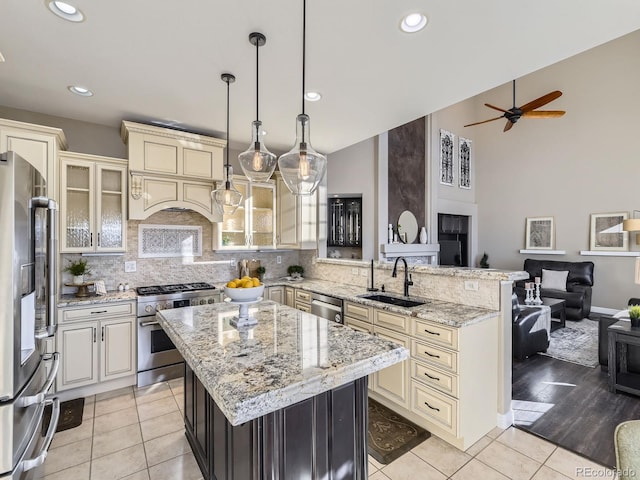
{"x":495,"y":108}
{"x":508,"y":126}
{"x":544,"y":114}
{"x":485,"y":121}
{"x":539,"y":102}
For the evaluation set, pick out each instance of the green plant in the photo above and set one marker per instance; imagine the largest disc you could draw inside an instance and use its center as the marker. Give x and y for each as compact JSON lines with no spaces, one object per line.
{"x":484,"y":261}
{"x":261,"y":270}
{"x":293,"y":269}
{"x":78,"y":267}
{"x":634,"y":311}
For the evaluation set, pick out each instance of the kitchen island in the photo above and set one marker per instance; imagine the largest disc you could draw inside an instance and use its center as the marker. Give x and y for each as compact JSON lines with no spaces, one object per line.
{"x":284,"y":399}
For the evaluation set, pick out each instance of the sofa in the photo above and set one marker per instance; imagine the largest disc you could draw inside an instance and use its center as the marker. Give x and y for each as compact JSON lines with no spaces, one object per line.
{"x":578,"y":284}
{"x":633,"y":352}
{"x":524,"y":341}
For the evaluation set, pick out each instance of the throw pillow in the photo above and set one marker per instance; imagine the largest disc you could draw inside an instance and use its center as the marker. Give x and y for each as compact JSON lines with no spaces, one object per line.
{"x":555,"y":279}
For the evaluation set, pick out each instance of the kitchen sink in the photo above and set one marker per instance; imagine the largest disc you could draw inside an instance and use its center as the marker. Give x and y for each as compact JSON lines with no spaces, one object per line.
{"x":400,"y":302}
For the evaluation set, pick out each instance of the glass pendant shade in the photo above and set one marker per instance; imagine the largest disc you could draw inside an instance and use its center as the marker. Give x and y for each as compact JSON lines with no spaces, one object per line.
{"x":257,"y":162}
{"x":227,"y":198}
{"x":302,"y":168}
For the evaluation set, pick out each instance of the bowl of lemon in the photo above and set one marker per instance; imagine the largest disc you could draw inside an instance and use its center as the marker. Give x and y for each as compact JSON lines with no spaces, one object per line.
{"x":244,"y":289}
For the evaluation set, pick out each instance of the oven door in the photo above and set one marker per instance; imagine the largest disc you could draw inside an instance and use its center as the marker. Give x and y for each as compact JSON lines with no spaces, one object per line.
{"x":155,"y":348}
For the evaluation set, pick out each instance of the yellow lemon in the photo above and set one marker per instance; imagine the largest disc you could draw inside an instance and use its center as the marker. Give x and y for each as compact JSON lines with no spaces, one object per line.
{"x":231,"y":284}
{"x":246,"y":277}
{"x":255,"y":282}
{"x":247,"y":283}
{"x":236,"y":280}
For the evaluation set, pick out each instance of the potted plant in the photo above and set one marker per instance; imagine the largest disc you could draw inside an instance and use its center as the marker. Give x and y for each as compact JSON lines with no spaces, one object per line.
{"x":634,"y":315}
{"x":261,"y":271}
{"x":484,"y":261}
{"x":295,"y":271}
{"x":78,"y":268}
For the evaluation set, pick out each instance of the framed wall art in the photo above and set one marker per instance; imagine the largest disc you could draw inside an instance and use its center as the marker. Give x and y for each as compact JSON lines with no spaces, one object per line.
{"x":447,"y":154}
{"x":540,"y":233}
{"x":464,"y":161}
{"x":606,"y":232}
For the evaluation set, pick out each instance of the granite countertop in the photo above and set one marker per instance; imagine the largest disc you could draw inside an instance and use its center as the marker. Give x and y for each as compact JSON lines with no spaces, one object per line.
{"x":111,"y":296}
{"x":287,"y":357}
{"x":448,"y":313}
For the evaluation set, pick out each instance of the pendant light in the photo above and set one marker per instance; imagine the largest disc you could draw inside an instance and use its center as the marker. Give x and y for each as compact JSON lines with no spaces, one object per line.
{"x":227,"y":198}
{"x":257,"y":162}
{"x":302,"y":168}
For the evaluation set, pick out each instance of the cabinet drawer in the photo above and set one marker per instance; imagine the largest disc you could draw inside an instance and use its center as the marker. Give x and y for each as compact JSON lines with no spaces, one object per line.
{"x":99,"y":310}
{"x":435,"y":355}
{"x":431,"y":376}
{"x":433,"y":332}
{"x":303,"y":295}
{"x":435,"y":406}
{"x":305,"y":307}
{"x":358,"y":324}
{"x":393,"y":321}
{"x":357,"y":311}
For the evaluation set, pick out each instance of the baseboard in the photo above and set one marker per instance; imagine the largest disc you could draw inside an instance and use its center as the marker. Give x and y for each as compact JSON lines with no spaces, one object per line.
{"x":604,"y":310}
{"x":96,"y":388}
{"x":505,"y":420}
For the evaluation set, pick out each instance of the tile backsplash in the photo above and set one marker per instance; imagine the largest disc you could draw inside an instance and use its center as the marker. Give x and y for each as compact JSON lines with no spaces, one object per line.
{"x":211,"y":267}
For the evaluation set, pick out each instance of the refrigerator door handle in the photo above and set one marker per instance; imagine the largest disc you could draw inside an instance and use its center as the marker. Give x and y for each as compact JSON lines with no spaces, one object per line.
{"x":39,"y":459}
{"x":52,"y":207}
{"x":42,"y":394}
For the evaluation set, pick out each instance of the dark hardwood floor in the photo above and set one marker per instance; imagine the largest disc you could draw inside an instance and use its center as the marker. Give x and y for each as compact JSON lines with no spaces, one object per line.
{"x":570,"y":405}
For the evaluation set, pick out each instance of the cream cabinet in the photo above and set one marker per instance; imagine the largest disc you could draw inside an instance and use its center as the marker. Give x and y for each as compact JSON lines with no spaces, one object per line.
{"x":92,"y":203}
{"x":252,"y":225}
{"x":275,"y":294}
{"x":297,"y":224}
{"x":37,"y":144}
{"x":449,"y":383}
{"x":302,"y":300}
{"x":96,"y":344}
{"x":172,"y":169}
{"x":290,"y":296}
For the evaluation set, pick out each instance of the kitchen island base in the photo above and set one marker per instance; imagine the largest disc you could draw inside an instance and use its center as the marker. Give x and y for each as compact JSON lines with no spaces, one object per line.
{"x":323,"y":437}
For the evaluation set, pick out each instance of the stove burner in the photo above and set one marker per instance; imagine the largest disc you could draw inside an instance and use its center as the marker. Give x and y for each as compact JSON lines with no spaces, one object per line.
{"x":174,"y":288}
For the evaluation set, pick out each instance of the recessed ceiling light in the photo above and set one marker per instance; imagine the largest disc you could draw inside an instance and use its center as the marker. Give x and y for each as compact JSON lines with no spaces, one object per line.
{"x":83,"y":92}
{"x":312,"y":96}
{"x":413,"y":22}
{"x":65,"y":10}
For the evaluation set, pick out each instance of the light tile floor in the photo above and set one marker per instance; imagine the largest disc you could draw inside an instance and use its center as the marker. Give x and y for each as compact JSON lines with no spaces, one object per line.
{"x":138,"y":434}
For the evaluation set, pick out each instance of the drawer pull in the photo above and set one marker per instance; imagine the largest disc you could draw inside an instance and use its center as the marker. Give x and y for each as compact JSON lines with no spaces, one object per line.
{"x":99,"y":311}
{"x":432,"y":378}
{"x":432,"y":355}
{"x":431,"y":333}
{"x":432,"y":408}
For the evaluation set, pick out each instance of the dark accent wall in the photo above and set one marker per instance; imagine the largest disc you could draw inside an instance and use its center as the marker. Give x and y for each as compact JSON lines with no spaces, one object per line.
{"x":407,"y":171}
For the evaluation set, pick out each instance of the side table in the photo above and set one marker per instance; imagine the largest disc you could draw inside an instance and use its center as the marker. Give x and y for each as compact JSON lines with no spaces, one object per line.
{"x":620,"y":335}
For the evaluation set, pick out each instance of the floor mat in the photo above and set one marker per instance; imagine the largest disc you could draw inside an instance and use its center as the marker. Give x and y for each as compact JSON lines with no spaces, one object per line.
{"x":391,"y":435}
{"x":576,"y":343}
{"x":70,"y":415}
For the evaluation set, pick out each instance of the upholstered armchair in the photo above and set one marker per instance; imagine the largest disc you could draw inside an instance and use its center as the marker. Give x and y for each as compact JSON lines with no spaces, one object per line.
{"x":525,"y":342}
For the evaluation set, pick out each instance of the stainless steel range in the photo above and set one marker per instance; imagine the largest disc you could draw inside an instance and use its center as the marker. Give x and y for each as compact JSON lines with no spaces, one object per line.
{"x":158,"y":358}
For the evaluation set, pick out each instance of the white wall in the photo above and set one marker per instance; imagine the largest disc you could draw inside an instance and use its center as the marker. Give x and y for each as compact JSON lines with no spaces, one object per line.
{"x":353,"y":170}
{"x":585,"y":162}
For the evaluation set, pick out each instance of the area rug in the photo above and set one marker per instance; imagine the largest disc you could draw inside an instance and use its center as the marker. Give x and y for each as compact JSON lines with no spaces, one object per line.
{"x":70,"y":415}
{"x":391,"y":435}
{"x":575,"y":343}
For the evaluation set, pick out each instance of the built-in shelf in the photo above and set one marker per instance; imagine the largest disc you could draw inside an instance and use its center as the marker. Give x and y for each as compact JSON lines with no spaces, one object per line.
{"x":543,"y":252}
{"x":410,"y":249}
{"x":605,"y":253}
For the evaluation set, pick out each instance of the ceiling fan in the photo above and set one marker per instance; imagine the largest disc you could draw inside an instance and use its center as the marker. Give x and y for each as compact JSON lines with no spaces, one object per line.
{"x":527,"y":110}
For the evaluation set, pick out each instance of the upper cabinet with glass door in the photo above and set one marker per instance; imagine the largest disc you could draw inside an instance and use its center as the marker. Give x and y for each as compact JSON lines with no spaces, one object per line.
{"x":92,"y":204}
{"x":252,"y":226}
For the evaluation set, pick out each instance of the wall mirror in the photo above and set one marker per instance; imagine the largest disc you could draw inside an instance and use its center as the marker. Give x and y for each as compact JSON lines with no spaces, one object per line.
{"x":409,"y":225}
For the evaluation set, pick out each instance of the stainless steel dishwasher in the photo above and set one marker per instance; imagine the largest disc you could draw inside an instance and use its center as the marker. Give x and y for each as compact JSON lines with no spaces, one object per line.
{"x":327,"y":307}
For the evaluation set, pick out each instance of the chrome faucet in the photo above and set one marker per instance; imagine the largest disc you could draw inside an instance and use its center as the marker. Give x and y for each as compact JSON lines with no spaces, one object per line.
{"x":407,"y":276}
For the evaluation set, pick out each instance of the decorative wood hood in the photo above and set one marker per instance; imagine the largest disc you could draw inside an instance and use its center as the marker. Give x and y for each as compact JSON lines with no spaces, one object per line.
{"x":171,"y":169}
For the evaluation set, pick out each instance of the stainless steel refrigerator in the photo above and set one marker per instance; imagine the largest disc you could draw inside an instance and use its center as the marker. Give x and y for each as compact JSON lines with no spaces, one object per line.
{"x":27,"y":317}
